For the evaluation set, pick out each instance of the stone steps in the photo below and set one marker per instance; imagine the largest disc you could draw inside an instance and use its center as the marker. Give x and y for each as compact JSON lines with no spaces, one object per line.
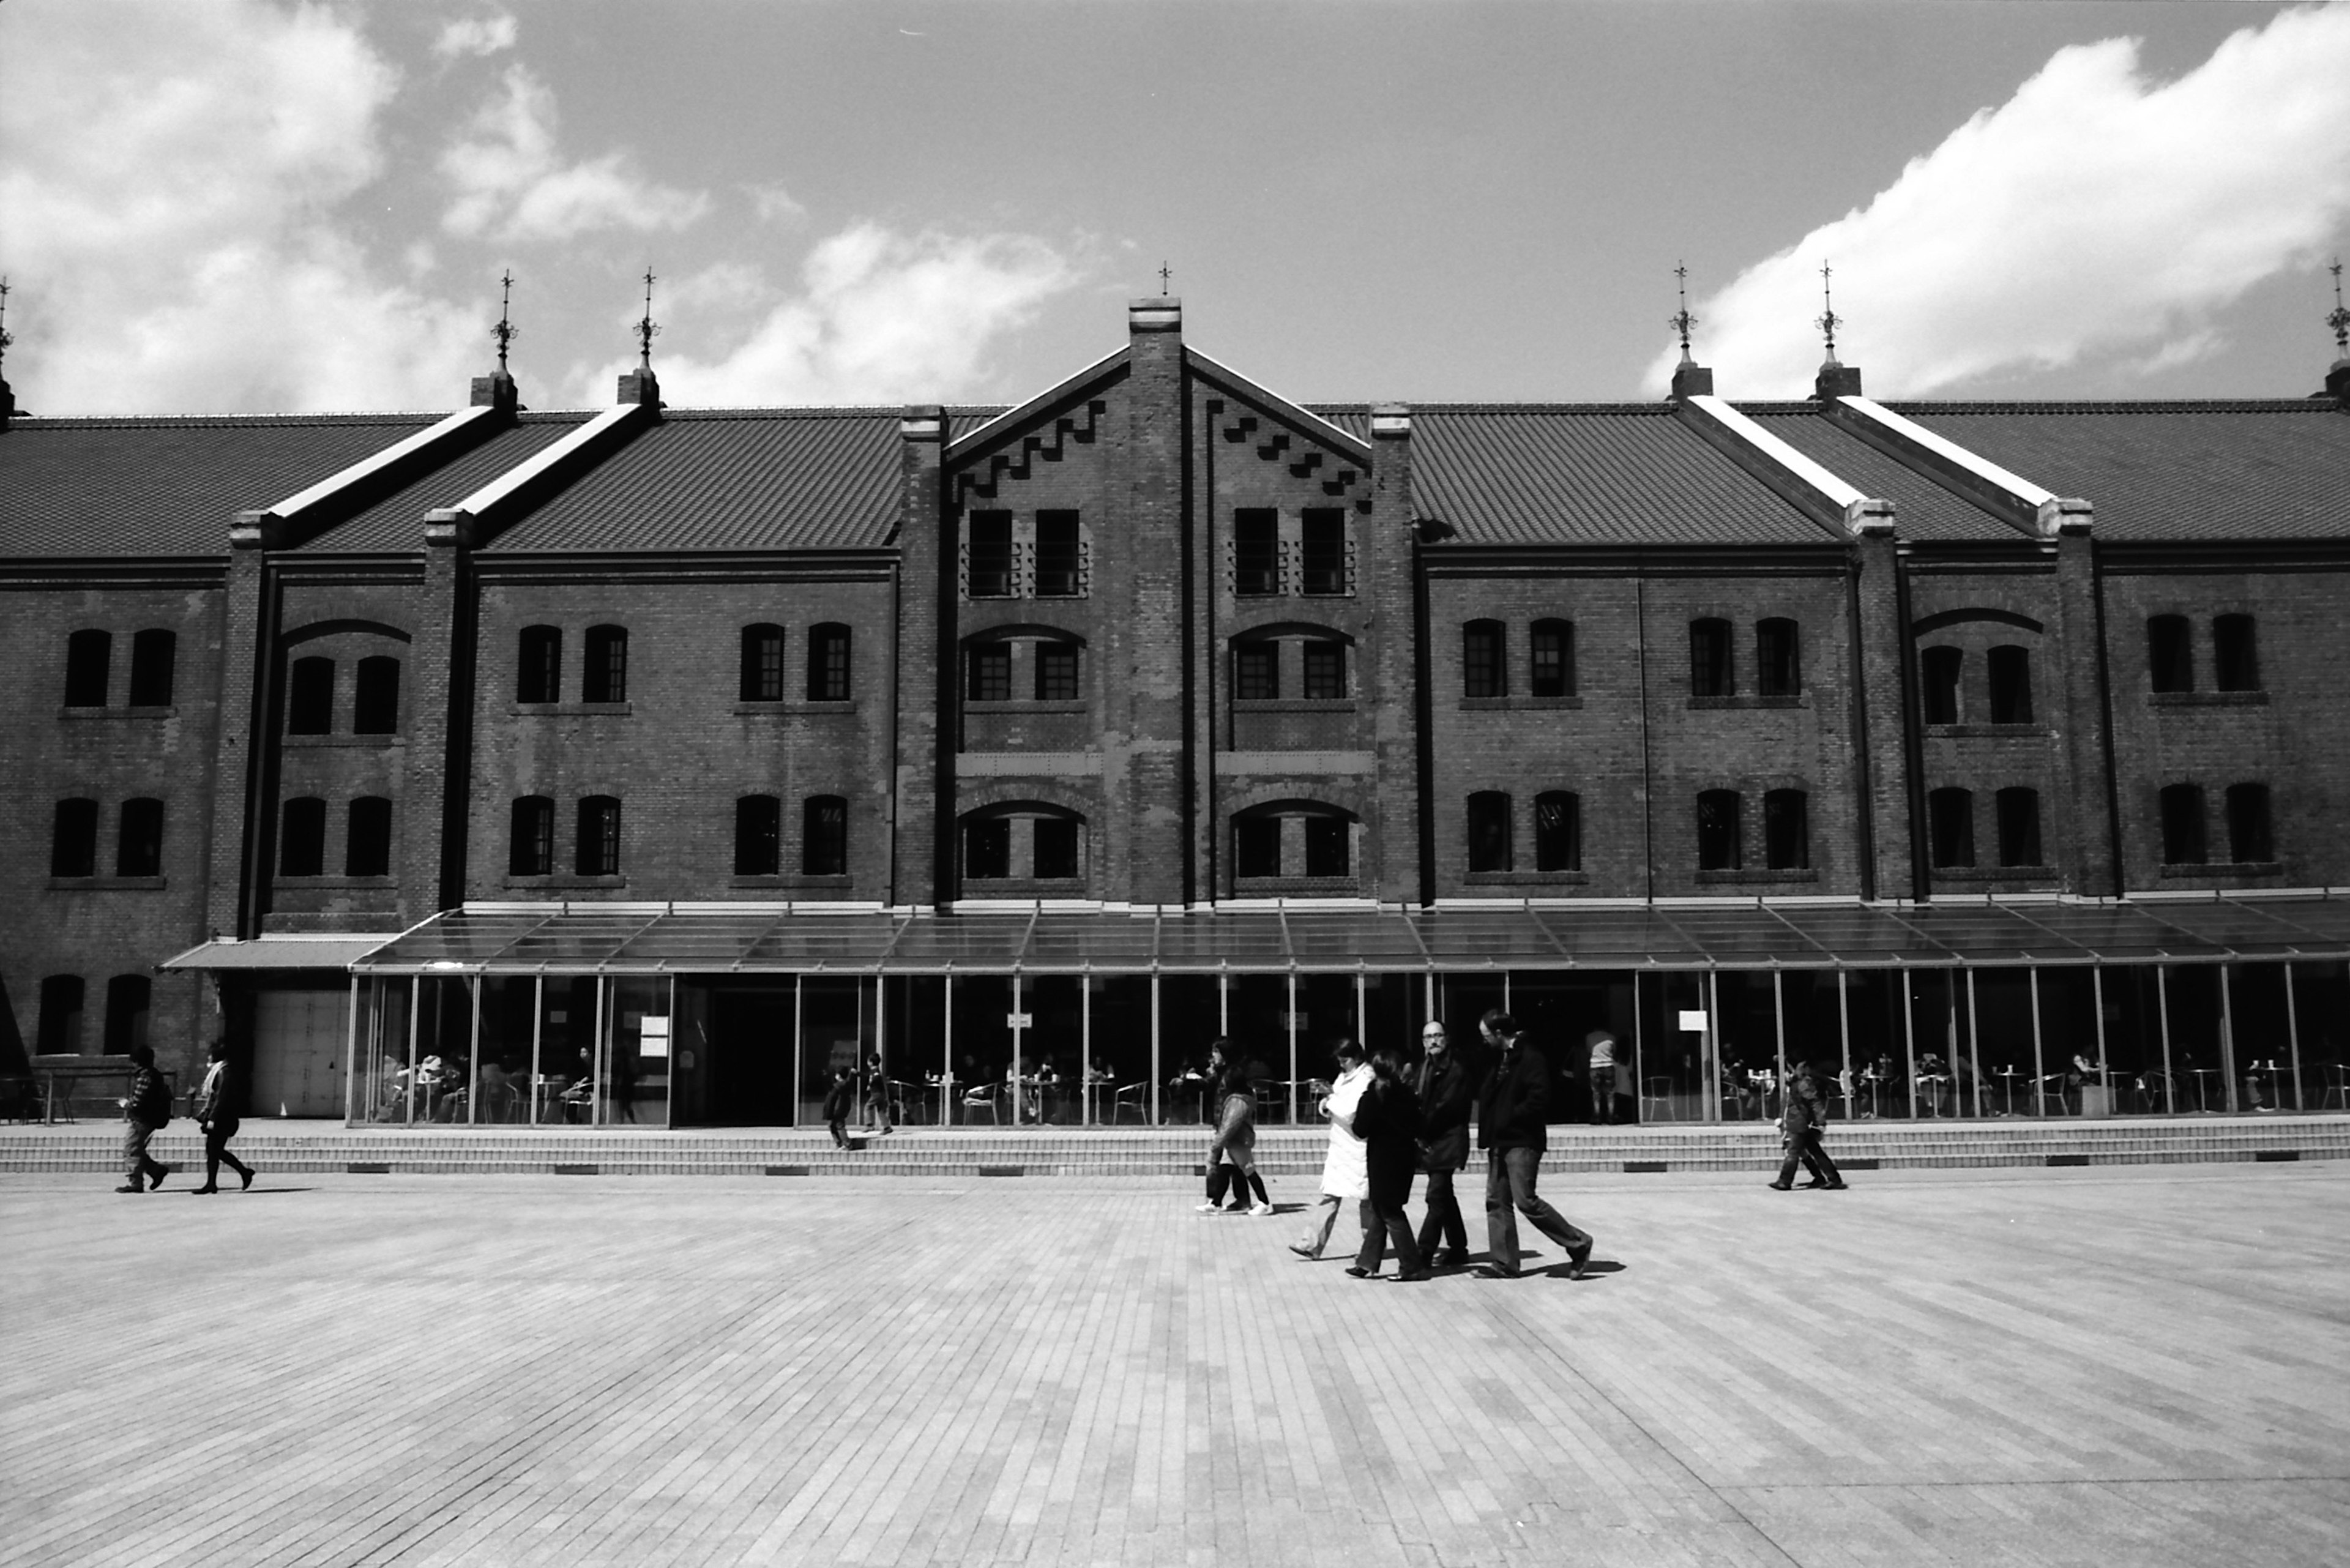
{"x":1281,"y":1152}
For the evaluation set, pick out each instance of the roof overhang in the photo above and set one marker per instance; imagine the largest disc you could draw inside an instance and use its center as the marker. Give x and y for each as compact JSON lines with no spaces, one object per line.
{"x":338,"y":952}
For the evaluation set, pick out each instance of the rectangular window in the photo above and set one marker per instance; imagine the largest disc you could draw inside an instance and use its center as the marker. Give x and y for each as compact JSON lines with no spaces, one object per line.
{"x":1256,"y":671}
{"x":61,"y":1015}
{"x":375,"y":705}
{"x":1323,"y":550}
{"x":88,"y":656}
{"x":2236,"y":662}
{"x":1325,"y":669}
{"x":987,"y":672}
{"x":2011,"y":685}
{"x":367,"y":843}
{"x":538,"y":665}
{"x":598,"y":846}
{"x":1950,"y":826}
{"x":606,"y":676}
{"x":1060,"y":557}
{"x":151,"y":655}
{"x":762,"y":678}
{"x":987,"y":849}
{"x":1778,"y":659}
{"x":530,"y":848}
{"x":1057,"y":848}
{"x":1256,"y":551}
{"x":2183,"y":841}
{"x":2019,"y":826}
{"x":1552,"y":672}
{"x":302,"y":838}
{"x":2170,"y":652}
{"x":1719,"y":831}
{"x":1489,"y":831}
{"x":1256,"y":846}
{"x":310,"y":697}
{"x":1937,"y":675}
{"x":989,"y":567}
{"x":1328,"y":843}
{"x":1558,"y":831}
{"x":1482,"y":652}
{"x":73,"y":839}
{"x":1711,"y":674}
{"x":139,"y":847}
{"x":824,"y":837}
{"x":2249,"y":834}
{"x":1787,"y":830}
{"x":828,"y":671}
{"x":1056,"y":672}
{"x":758,"y":836}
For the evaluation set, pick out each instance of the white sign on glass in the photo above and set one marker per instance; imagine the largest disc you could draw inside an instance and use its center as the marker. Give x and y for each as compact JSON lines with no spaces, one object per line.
{"x":1020,"y":1020}
{"x":1693,"y":1021}
{"x":654,"y":1039}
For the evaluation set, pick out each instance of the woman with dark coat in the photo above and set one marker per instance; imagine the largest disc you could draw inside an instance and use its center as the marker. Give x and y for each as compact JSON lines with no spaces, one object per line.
{"x":1387,"y":1121}
{"x":216,"y":1114}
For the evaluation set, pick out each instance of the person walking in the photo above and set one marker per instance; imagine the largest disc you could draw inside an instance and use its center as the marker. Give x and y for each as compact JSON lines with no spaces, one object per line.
{"x":145,"y":1112}
{"x":1345,"y":1174}
{"x":1602,"y":1047}
{"x":215,"y":1111}
{"x":1512,"y":1111}
{"x":1800,"y":1121}
{"x":839,"y":1101}
{"x":876,"y":1094}
{"x":1235,"y":1141}
{"x":1444,"y":1096}
{"x":1388,"y":1120}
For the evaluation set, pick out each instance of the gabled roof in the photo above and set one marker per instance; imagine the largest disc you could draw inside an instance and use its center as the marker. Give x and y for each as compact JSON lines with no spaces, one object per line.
{"x":167,"y":487}
{"x":1922,"y":509}
{"x":396,"y":523}
{"x":1564,"y":473}
{"x":2172,"y":471}
{"x":730,"y":478}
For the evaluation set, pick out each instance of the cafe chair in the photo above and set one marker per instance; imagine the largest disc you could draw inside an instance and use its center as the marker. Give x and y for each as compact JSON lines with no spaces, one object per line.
{"x":2336,"y":1092}
{"x":1656,"y":1092}
{"x":981,"y":1097}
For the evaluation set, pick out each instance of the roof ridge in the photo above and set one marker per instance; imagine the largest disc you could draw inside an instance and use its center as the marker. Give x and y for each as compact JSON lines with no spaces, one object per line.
{"x":2115,"y":406}
{"x":219,"y":422}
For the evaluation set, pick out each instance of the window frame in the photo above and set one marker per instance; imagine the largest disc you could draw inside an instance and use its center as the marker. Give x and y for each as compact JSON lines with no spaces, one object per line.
{"x":73,"y":838}
{"x":1485,"y":660}
{"x":830,"y":662}
{"x":2008,"y":668}
{"x":310,"y":684}
{"x":1787,"y":829}
{"x":604,"y":664}
{"x":530,"y":836}
{"x":154,"y":658}
{"x":302,"y":836}
{"x":89,"y":666}
{"x":758,"y":836}
{"x":824,"y":836}
{"x":1558,"y":831}
{"x":2169,"y":653}
{"x":375,"y":695}
{"x":138,"y":837}
{"x":2235,"y":653}
{"x":596,"y":837}
{"x":539,"y":664}
{"x":1720,"y":819}
{"x":1778,"y":659}
{"x":2252,"y":822}
{"x":1950,"y":828}
{"x":1941,"y":685}
{"x":2016,"y":810}
{"x":366,"y":836}
{"x":759,"y":675}
{"x":1713,"y":658}
{"x":1551,"y":641}
{"x":2186,"y":832}
{"x":1489,"y":831}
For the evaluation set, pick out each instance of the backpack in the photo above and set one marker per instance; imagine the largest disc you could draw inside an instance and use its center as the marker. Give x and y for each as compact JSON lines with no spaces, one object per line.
{"x":154,"y":1103}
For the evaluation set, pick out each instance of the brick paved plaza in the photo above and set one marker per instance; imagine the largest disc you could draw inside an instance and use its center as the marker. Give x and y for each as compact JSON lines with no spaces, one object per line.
{"x":2138,"y":1366}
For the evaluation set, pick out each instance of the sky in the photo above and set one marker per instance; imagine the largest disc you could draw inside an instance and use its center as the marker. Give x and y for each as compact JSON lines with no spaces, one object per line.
{"x":292,"y":206}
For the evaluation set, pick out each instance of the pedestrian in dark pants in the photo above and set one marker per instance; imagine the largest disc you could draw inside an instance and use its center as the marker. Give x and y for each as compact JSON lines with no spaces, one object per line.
{"x":839,"y":1101}
{"x":145,"y":1111}
{"x":1512,"y":1113}
{"x":1444,"y":1093}
{"x":876,"y":1094}
{"x":1602,"y":1046}
{"x":1805,"y":1113}
{"x":216,"y":1114}
{"x":1388,"y":1121}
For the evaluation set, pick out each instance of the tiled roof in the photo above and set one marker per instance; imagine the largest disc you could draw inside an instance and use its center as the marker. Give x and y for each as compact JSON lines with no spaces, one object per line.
{"x":1921,"y":508}
{"x":1534,"y":473}
{"x":397,"y":522}
{"x":731,"y":479}
{"x":167,"y":486}
{"x":2274,"y":470}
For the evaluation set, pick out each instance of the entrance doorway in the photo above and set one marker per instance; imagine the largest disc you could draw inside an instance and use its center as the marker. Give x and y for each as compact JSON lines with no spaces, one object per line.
{"x":747,"y":1075}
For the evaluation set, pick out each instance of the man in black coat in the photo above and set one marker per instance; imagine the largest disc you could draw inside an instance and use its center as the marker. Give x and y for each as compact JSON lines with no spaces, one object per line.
{"x":1512,"y":1113}
{"x":1444,"y":1097}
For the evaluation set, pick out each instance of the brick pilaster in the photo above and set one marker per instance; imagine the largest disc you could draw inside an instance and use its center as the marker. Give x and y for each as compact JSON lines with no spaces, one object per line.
{"x":2087,"y":756}
{"x":240,"y":809}
{"x":1882,"y":720}
{"x":435,"y":793}
{"x":1387,"y":572}
{"x":1159,"y":644}
{"x":921,"y":845}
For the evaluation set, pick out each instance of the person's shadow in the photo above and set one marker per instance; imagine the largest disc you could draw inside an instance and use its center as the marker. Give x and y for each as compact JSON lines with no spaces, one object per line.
{"x":1591,"y":1270}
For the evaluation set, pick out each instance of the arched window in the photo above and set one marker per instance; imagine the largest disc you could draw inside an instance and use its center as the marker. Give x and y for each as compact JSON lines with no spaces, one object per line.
{"x":604,"y":674}
{"x":758,"y":832}
{"x":2250,"y":837}
{"x":1787,"y":830}
{"x":302,"y":838}
{"x":1778,"y":659}
{"x":152,"y":653}
{"x":310,"y":697}
{"x":2010,"y":684}
{"x":987,"y":849}
{"x":763,"y":665}
{"x":530,"y":842}
{"x":129,"y":998}
{"x":1938,"y":671}
{"x":1027,"y":841}
{"x":2170,"y":652}
{"x":827,"y":670}
{"x":1489,"y":831}
{"x":824,"y":837}
{"x":1292,"y":839}
{"x":2019,"y":826}
{"x":2183,"y":839}
{"x":1551,"y":673}
{"x":73,"y":839}
{"x":1719,"y":830}
{"x":597,"y":848}
{"x":60,"y":1033}
{"x":2236,"y":654}
{"x":538,"y":665}
{"x":139,"y":846}
{"x":1711,"y":673}
{"x":1484,"y":649}
{"x":367,"y":837}
{"x":1558,"y":831}
{"x":1056,"y":852}
{"x":375,"y":705}
{"x":1950,"y":826}
{"x":88,"y":656}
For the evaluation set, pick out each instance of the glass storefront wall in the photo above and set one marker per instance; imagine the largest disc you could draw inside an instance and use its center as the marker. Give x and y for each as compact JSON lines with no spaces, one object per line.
{"x":1069,"y":1050}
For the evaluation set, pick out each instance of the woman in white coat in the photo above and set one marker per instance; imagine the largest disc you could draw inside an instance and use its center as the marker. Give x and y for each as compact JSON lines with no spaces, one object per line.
{"x":1345,"y":1169}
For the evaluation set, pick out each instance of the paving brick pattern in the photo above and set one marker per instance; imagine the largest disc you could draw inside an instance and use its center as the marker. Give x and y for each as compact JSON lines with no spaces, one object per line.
{"x":2131,"y":1366}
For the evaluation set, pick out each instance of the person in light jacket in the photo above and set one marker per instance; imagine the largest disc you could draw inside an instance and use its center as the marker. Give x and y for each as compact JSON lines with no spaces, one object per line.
{"x":1345,"y":1171}
{"x":145,"y":1110}
{"x":216,"y":1100}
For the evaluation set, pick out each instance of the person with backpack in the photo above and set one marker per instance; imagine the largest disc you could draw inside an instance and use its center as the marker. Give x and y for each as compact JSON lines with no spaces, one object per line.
{"x":146,"y":1110}
{"x":215,"y":1112}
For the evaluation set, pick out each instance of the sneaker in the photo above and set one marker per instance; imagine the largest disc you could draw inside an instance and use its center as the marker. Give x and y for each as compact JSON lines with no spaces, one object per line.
{"x":132,"y":1187}
{"x":1207,"y":1208}
{"x":1781,"y":1186}
{"x":1412,"y":1278}
{"x":1308,"y":1253}
{"x":1258,"y":1210}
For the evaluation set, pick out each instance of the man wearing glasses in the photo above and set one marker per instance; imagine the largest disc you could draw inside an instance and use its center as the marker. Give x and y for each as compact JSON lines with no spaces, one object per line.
{"x":1443,"y":1086}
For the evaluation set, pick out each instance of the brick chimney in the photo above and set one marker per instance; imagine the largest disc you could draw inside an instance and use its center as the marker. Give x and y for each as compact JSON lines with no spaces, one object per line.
{"x":1691,"y":379}
{"x":497,"y":391}
{"x":641,"y":387}
{"x":1836,"y":380}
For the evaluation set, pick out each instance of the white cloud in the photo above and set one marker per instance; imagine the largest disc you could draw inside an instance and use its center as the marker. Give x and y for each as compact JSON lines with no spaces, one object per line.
{"x":512,"y":183}
{"x":477,"y":35}
{"x":171,"y":174}
{"x":772,"y":203}
{"x":2094,"y":215}
{"x":881,"y":318}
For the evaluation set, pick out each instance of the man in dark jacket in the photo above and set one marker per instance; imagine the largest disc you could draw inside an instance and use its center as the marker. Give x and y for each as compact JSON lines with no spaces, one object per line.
{"x":1511,"y":1129}
{"x":1806,"y":1111}
{"x":1443,"y":1086}
{"x":146,"y":1108}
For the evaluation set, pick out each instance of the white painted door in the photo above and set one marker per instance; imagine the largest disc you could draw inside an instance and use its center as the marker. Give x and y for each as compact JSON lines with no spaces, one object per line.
{"x":298,"y":1053}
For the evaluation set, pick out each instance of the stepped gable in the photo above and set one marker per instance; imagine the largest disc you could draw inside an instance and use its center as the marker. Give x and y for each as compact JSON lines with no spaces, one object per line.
{"x":1624,"y":474}
{"x":167,"y":486}
{"x":729,"y":479}
{"x":2172,"y":471}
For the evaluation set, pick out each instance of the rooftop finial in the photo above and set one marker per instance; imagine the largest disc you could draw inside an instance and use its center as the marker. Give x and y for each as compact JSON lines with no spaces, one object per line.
{"x":1829,"y":321}
{"x":505,"y":331}
{"x":2339,"y":319}
{"x":647,"y":328}
{"x":1681,"y":320}
{"x":1165,"y":274}
{"x":6,"y":339}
